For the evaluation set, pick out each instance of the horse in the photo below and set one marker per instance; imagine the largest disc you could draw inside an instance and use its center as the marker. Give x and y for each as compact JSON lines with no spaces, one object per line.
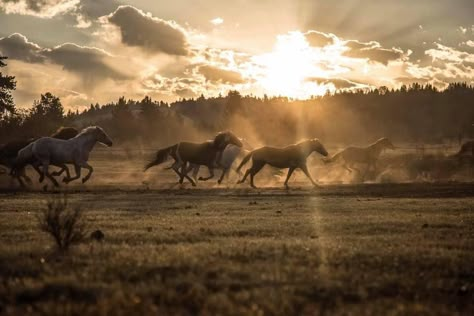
{"x":229,"y":155}
{"x":48,"y":151}
{"x":365,"y":155}
{"x":206,"y":154}
{"x":9,"y":152}
{"x":291,"y":157}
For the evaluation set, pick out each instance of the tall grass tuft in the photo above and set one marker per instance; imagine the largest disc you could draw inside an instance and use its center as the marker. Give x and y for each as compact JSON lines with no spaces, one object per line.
{"x":63,"y":224}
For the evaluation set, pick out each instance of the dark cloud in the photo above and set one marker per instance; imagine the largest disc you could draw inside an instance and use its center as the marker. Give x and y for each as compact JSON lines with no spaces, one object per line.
{"x":92,"y":9}
{"x":17,"y":46}
{"x":216,"y":74}
{"x":92,"y":64}
{"x":319,"y":39}
{"x":89,"y":62}
{"x":152,"y":34}
{"x":372,"y":51}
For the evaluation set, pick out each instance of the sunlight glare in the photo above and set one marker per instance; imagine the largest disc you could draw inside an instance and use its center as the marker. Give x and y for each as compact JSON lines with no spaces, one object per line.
{"x":287,"y":68}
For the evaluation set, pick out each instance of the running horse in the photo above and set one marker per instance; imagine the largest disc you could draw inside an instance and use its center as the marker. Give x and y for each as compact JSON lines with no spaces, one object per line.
{"x":363,"y":155}
{"x":48,"y":151}
{"x":291,"y":157}
{"x":206,"y":154}
{"x":9,"y":152}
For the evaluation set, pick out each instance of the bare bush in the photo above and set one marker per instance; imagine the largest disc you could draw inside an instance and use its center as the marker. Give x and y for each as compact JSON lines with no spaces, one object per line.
{"x":63,"y":224}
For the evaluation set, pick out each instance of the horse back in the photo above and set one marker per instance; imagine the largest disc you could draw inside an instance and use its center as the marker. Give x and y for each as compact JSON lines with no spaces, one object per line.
{"x":197,"y":153}
{"x":279,"y":157}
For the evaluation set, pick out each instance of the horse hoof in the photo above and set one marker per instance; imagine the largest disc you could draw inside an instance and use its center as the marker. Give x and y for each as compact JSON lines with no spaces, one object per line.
{"x":84,"y":180}
{"x":201,"y":179}
{"x":65,"y":180}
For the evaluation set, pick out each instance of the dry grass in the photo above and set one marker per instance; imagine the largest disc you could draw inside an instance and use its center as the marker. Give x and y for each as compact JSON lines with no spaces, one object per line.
{"x":64,"y":225}
{"x":352,"y":250}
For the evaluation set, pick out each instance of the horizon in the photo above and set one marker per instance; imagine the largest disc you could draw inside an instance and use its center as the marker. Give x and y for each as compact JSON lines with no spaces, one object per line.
{"x":87,"y":52}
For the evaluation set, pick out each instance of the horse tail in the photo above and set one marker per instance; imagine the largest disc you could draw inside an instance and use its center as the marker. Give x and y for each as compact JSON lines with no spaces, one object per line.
{"x":244,"y":161}
{"x":24,"y":156}
{"x":161,"y":156}
{"x":333,"y":158}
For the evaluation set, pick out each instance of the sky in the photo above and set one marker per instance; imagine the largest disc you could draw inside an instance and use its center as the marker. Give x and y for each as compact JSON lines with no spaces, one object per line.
{"x":89,"y":51}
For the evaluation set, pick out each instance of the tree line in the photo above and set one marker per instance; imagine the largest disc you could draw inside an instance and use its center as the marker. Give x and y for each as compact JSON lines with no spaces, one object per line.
{"x":414,"y":113}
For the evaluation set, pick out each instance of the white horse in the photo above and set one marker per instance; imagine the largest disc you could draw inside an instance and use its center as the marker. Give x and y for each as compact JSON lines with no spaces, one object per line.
{"x":229,"y":155}
{"x":51,"y":151}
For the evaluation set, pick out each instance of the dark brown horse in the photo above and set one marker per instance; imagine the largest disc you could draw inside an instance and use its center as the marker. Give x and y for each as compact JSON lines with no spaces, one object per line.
{"x":9,"y":152}
{"x":206,"y":154}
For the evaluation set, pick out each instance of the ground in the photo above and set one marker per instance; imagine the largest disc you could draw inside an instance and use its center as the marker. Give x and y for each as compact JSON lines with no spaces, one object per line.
{"x":371,"y":249}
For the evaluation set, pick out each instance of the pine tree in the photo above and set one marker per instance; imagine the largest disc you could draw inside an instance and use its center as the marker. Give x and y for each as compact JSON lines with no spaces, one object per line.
{"x":7,"y":85}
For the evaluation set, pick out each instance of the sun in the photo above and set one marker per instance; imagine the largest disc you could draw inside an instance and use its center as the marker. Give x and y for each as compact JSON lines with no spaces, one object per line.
{"x":287,"y":69}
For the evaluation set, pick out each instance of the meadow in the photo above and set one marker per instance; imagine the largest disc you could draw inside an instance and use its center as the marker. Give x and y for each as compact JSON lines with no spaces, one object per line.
{"x":354,"y":249}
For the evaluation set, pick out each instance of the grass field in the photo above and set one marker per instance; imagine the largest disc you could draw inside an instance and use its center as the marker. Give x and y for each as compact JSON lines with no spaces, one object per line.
{"x":339,"y":250}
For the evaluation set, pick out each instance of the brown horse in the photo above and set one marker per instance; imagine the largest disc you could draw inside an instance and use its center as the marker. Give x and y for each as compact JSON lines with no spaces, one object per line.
{"x":9,"y":152}
{"x":363,"y":155}
{"x":292,"y":157}
{"x":206,"y":154}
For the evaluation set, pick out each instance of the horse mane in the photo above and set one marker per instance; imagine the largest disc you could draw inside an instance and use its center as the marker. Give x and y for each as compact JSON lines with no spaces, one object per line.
{"x":65,"y":133}
{"x":87,"y":130}
{"x":378,"y":141}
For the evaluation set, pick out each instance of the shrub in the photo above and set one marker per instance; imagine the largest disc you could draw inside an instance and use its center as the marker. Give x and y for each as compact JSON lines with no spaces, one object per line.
{"x":63,"y":224}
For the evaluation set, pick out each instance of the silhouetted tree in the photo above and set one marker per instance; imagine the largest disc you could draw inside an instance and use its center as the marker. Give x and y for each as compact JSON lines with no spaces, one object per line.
{"x":7,"y":85}
{"x":45,"y":116}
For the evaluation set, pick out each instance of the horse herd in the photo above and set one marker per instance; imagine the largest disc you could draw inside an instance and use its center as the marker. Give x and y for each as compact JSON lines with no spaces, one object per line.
{"x":70,"y":146}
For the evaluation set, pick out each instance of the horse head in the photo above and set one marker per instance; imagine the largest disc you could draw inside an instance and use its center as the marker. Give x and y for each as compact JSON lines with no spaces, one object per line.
{"x":318,"y":147}
{"x":223,"y":139}
{"x":98,"y":134}
{"x":385,"y":143}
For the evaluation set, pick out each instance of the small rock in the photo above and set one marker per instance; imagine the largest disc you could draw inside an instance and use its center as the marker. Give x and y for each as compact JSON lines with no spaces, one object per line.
{"x":197,"y":214}
{"x":149,"y":229}
{"x":278,"y":212}
{"x":425,"y":225}
{"x":97,"y":235}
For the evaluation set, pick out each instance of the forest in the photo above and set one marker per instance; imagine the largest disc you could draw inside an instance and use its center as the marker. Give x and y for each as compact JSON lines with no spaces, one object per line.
{"x":414,"y":114}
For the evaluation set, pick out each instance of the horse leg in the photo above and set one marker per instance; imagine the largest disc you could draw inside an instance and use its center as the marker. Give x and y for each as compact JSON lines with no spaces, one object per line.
{"x":245,"y":177}
{"x":47,"y":175}
{"x":225,"y":172}
{"x":196,"y":171}
{"x":77,"y":168}
{"x":306,"y":172}
{"x":88,"y":167}
{"x":290,"y":172}
{"x":347,"y":168}
{"x":256,"y":167}
{"x":39,"y":171}
{"x":60,"y":171}
{"x":211,"y":174}
{"x":184,"y":174}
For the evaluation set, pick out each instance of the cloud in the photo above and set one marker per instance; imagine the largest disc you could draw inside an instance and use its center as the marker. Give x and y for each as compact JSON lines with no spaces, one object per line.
{"x":449,"y":54}
{"x":89,"y":62}
{"x":38,"y":8}
{"x":319,"y":39}
{"x":216,"y":74}
{"x":217,"y":21}
{"x":17,"y":46}
{"x":338,"y":83}
{"x":372,"y":51}
{"x":152,"y":34}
